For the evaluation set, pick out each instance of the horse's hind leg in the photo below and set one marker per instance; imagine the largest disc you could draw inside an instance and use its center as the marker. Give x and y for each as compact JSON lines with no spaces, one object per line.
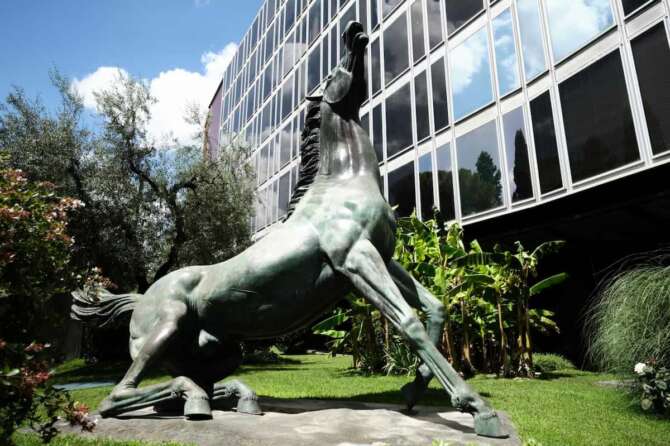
{"x":419,"y":298}
{"x":126,"y":396}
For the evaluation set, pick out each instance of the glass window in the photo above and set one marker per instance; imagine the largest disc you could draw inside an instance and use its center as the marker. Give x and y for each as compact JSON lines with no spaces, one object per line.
{"x":459,"y":12}
{"x":374,"y":14}
{"x":435,"y":36}
{"x":363,"y":5}
{"x":389,"y":5}
{"x":421,"y":106}
{"x":263,"y":165}
{"x":287,"y":97}
{"x":505,"y":49}
{"x":314,"y":69}
{"x":598,"y":120}
{"x":516,"y":152}
{"x":573,"y":24}
{"x":398,"y":121}
{"x":314,"y":20}
{"x":426,"y":186}
{"x":365,"y":123}
{"x":440,"y":106}
{"x":445,"y":182}
{"x":531,"y":38}
{"x":375,"y":66}
{"x":418,"y":46}
{"x":396,"y":58}
{"x":290,"y":15}
{"x":479,"y":175}
{"x":546,"y":150}
{"x":284,"y":194}
{"x":377,"y":132}
{"x":652,"y":62}
{"x":471,"y":74}
{"x":630,"y":6}
{"x":285,"y":144}
{"x":401,"y":190}
{"x":333,"y":48}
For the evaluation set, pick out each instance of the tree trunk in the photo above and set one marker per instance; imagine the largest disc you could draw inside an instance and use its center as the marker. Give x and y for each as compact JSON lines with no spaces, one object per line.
{"x":467,"y":369}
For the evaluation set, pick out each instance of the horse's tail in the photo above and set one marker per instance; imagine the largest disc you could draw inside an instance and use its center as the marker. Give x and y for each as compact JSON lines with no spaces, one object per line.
{"x":100,"y":307}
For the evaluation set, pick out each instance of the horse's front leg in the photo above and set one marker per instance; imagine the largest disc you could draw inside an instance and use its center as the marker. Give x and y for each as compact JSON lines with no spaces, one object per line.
{"x":419,"y":298}
{"x":369,"y":275}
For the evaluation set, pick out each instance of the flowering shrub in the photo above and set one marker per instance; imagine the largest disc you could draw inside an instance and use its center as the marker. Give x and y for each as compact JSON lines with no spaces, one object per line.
{"x":27,"y":397}
{"x":654,"y":384}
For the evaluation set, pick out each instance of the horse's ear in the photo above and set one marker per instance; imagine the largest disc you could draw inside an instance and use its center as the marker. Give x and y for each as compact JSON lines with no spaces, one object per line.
{"x":338,"y":86}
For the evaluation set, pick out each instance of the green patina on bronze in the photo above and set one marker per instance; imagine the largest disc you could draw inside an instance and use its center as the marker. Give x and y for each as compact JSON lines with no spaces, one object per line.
{"x":338,"y":237}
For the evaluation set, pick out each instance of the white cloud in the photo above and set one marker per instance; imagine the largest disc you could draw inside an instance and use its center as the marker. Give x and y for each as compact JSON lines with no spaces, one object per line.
{"x":467,"y":61}
{"x":174,"y":90}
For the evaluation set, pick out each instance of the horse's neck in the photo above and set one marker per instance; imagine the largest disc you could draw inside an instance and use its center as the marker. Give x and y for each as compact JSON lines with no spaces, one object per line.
{"x":346,"y":150}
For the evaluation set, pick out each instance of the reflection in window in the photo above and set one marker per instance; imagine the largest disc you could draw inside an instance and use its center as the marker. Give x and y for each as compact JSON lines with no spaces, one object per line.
{"x":471,"y":74}
{"x":313,"y":69}
{"x":418,"y":46}
{"x":290,"y":15}
{"x":546,"y":150}
{"x":389,"y":5}
{"x":314,"y":20}
{"x":263,"y":165}
{"x":435,"y":36}
{"x":630,"y":6}
{"x":284,"y":194}
{"x":285,"y":144}
{"x":377,"y":132}
{"x":374,"y":14}
{"x":445,"y":182}
{"x":365,"y":123}
{"x":598,"y":120}
{"x":652,"y":62}
{"x":375,"y":67}
{"x":505,"y":50}
{"x":516,"y":151}
{"x":426,"y":186}
{"x":479,"y":176}
{"x":440,"y":106}
{"x":531,"y":38}
{"x":421,"y":110}
{"x":573,"y":24}
{"x":401,"y":190}
{"x":459,"y":12}
{"x":287,"y":97}
{"x":398,"y":121}
{"x":363,"y":9}
{"x":396,"y":56}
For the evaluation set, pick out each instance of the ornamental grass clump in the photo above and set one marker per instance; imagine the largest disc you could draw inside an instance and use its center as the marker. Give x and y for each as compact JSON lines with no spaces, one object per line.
{"x":630,"y":319}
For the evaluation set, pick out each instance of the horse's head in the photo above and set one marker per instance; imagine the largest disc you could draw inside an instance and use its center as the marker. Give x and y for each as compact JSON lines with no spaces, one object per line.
{"x":345,"y":88}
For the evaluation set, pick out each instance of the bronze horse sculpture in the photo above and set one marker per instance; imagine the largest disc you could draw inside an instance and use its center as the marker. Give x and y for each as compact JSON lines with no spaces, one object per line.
{"x":338,"y":237}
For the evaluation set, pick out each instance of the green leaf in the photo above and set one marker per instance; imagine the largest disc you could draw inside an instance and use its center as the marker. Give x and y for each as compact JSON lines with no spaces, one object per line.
{"x":547,"y":283}
{"x":547,"y":248}
{"x":331,"y":322}
{"x":646,"y":404}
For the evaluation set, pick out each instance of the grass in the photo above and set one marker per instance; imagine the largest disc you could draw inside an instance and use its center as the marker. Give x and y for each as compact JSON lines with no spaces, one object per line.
{"x":567,"y":409}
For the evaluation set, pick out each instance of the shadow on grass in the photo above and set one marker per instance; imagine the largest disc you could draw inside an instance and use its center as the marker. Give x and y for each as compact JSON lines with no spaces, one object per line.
{"x":106,"y":371}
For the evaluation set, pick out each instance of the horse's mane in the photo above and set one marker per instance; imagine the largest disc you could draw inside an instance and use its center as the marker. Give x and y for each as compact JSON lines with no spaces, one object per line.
{"x":310,"y":150}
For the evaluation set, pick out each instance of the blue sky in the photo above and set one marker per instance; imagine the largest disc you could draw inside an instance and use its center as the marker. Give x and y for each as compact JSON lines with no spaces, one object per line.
{"x":169,"y":43}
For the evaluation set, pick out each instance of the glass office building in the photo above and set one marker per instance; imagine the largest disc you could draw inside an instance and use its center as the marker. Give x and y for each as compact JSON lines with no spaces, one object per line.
{"x":479,"y":108}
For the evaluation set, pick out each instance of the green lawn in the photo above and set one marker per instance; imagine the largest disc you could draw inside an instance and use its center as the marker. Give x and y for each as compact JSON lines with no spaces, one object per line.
{"x":567,"y":410}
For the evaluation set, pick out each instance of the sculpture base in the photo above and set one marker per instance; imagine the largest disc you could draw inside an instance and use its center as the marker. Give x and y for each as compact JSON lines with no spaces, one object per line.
{"x":305,"y":422}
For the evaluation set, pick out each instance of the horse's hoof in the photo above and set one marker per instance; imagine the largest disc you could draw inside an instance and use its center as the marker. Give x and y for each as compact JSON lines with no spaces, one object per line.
{"x":249,"y":406}
{"x":105,"y":408}
{"x":488,"y":424}
{"x":197,"y":408}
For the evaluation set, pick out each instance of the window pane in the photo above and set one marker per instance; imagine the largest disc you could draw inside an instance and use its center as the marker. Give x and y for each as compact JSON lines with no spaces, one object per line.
{"x":396,"y":59}
{"x":374,"y":14}
{"x":375,"y":66}
{"x":435,"y":36}
{"x":377,"y":132}
{"x":290,"y":15}
{"x":506,"y":61}
{"x":284,"y":194}
{"x":632,"y":5}
{"x":285,"y":145}
{"x":389,"y":5}
{"x":401,"y":190}
{"x":287,"y":97}
{"x":313,"y":70}
{"x":471,"y":74}
{"x":516,"y":151}
{"x":422,"y":119}
{"x":531,"y":38}
{"x":598,"y":120}
{"x":479,"y":174}
{"x":398,"y":121}
{"x":426,"y":186}
{"x":459,"y":12}
{"x":573,"y":24}
{"x":546,"y":150}
{"x":445,"y":182}
{"x":363,"y":8}
{"x":418,"y":46}
{"x":314,"y":20}
{"x":440,"y":106}
{"x":652,"y":62}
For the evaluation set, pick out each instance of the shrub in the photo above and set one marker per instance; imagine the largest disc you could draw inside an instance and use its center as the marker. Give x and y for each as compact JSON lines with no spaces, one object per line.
{"x":653,"y":385}
{"x":549,"y":362}
{"x":399,"y":358}
{"x":629,"y":320}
